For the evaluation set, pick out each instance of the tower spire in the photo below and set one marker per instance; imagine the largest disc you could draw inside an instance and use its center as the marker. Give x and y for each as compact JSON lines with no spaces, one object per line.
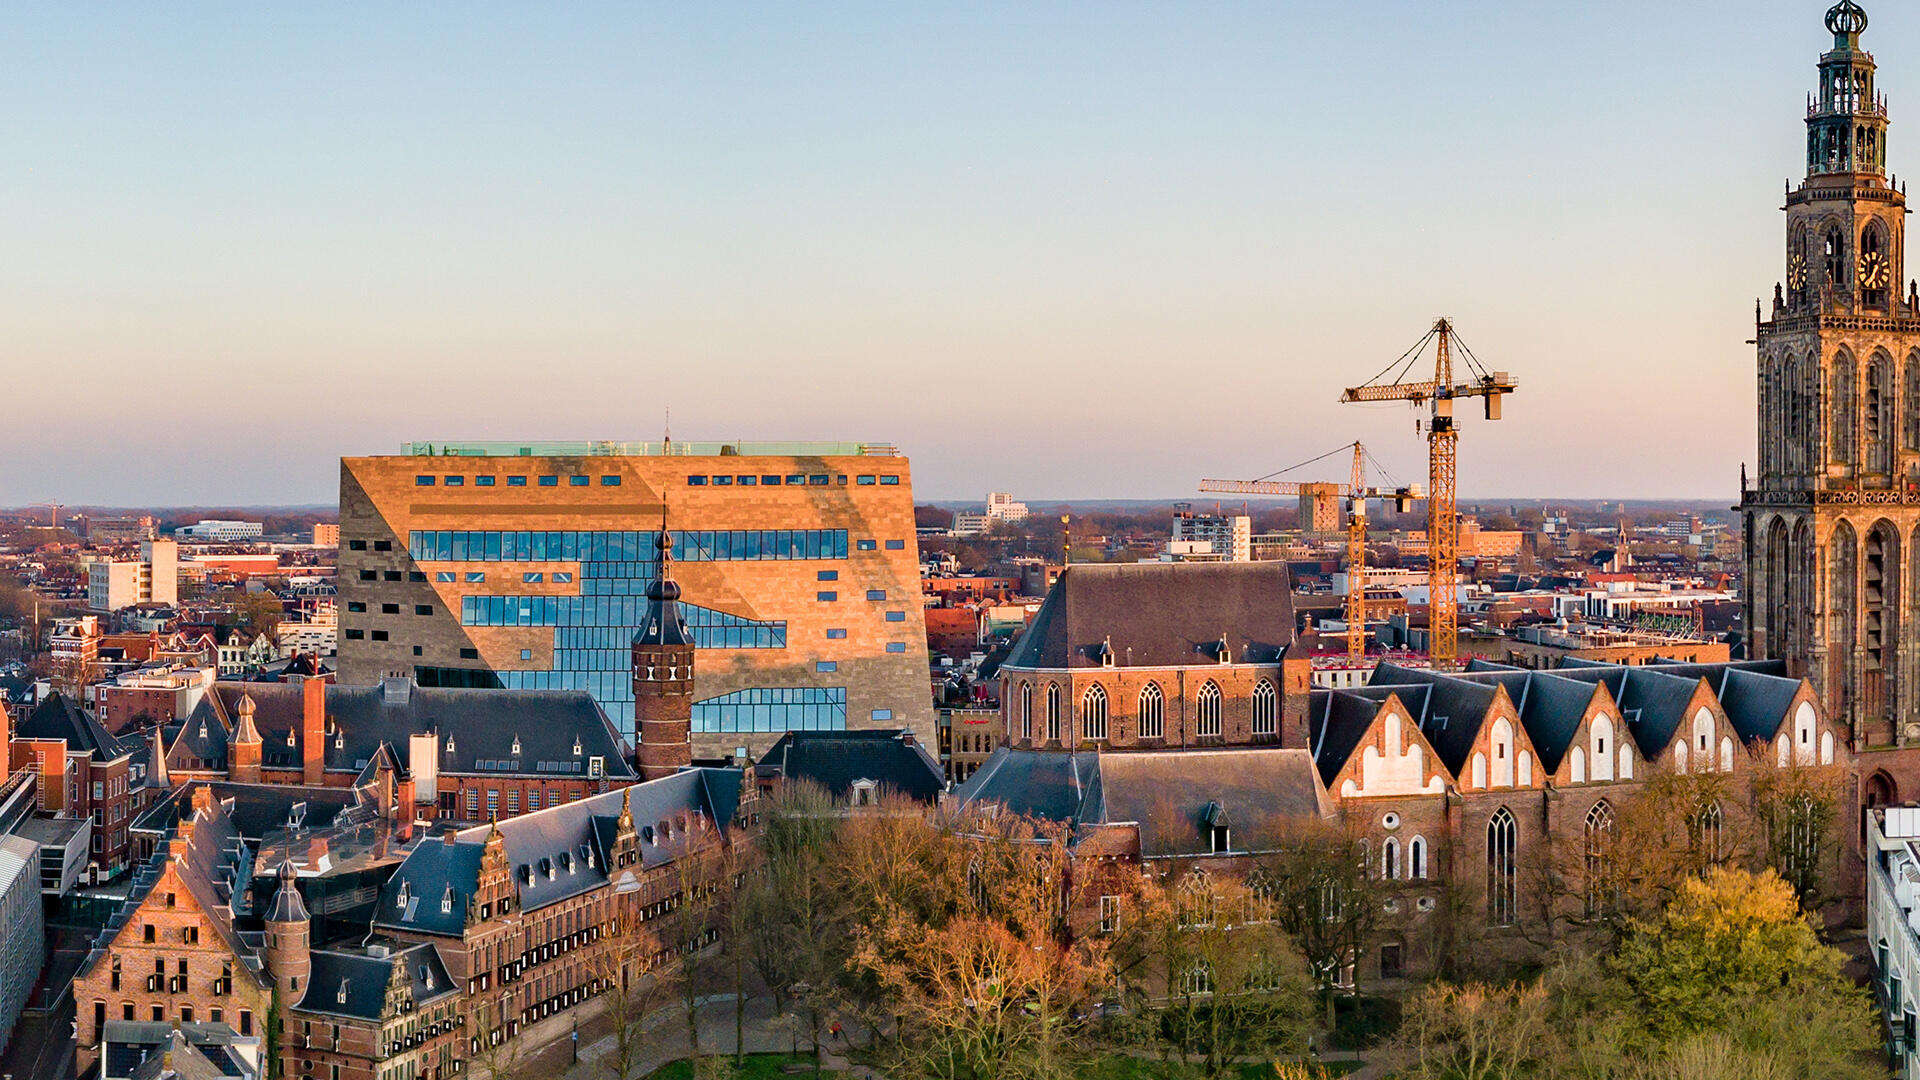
{"x":1847,"y":118}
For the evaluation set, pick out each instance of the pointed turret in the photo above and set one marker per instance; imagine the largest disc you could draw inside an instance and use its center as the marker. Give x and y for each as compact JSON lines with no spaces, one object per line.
{"x":157,"y":761}
{"x":289,"y":939}
{"x":663,"y":673}
{"x":244,"y":749}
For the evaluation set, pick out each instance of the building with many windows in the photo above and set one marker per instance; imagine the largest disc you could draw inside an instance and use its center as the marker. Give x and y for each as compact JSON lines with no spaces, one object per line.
{"x":526,"y":566}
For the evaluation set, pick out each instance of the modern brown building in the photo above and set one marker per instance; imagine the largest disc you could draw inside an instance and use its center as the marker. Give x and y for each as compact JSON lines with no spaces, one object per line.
{"x":526,"y":566}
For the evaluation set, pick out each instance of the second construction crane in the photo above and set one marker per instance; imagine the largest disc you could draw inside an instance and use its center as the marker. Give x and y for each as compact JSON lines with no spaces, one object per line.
{"x":1443,"y":440}
{"x":1356,"y":494}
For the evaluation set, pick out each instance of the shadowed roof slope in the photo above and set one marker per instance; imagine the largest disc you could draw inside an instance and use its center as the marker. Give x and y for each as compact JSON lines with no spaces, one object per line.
{"x":836,"y":759}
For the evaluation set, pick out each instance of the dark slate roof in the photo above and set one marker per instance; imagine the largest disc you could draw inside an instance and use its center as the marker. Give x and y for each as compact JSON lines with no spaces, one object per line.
{"x":58,"y":717}
{"x":1756,"y":703}
{"x":136,"y":1049}
{"x":1451,"y":714}
{"x":664,"y":625}
{"x":258,"y":810}
{"x":555,"y":853}
{"x":836,"y":759}
{"x":1170,"y":794}
{"x":361,"y":978}
{"x":484,"y":726}
{"x":1551,"y":707}
{"x":1652,"y":702}
{"x":1167,"y":794}
{"x":1160,"y":615}
{"x":1338,"y":719}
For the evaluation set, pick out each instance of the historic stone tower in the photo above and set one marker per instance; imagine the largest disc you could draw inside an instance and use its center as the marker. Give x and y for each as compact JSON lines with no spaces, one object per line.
{"x":289,"y":940}
{"x":1831,"y":586}
{"x":663,"y":675}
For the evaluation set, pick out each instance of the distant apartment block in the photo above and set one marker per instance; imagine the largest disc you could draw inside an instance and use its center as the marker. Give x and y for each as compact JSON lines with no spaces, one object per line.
{"x":1002,"y":507}
{"x":325,"y":535}
{"x":220,"y":530}
{"x":1199,"y":537}
{"x":525,"y":566}
{"x":106,"y":531}
{"x":152,"y":578}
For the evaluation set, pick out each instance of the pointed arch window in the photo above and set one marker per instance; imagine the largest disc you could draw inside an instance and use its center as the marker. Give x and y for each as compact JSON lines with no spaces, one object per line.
{"x":1153,"y":712}
{"x":1026,"y":710}
{"x":1709,"y":834}
{"x":1503,"y":882}
{"x":1843,"y":442}
{"x":1390,"y":859}
{"x":1053,"y":712}
{"x":1206,"y":710}
{"x":1093,"y":713}
{"x":1417,"y":858}
{"x":1266,"y":708}
{"x":1599,"y":837}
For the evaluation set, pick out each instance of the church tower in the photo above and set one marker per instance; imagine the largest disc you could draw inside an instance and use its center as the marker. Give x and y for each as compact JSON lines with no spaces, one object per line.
{"x":663,"y":675}
{"x":1835,"y":511}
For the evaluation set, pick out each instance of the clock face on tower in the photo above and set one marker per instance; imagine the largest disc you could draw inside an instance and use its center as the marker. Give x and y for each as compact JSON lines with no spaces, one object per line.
{"x":1797,"y":272}
{"x":1874,"y":272}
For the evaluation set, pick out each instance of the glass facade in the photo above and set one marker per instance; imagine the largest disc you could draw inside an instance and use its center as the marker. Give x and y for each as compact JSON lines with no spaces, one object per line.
{"x":593,"y":629}
{"x":767,"y":709}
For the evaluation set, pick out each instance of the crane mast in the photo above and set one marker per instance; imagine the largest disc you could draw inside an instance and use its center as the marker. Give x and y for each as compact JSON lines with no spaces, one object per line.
{"x":1443,"y":443}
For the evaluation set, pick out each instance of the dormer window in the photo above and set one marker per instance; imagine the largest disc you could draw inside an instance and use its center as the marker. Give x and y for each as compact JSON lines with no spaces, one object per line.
{"x":577,"y":749}
{"x":400,"y":900}
{"x":1222,"y":839}
{"x":289,"y":736}
{"x":516,"y":746}
{"x":1223,"y":652}
{"x":446,"y":903}
{"x":203,"y":729}
{"x":341,"y":997}
{"x":586,"y":855}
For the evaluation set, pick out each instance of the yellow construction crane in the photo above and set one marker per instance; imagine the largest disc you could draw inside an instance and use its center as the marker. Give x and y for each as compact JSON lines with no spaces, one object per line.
{"x":1443,"y":439}
{"x":1356,"y":494}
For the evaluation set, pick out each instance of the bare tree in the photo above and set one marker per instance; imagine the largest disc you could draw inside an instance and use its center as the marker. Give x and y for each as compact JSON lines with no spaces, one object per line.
{"x":1323,"y":894}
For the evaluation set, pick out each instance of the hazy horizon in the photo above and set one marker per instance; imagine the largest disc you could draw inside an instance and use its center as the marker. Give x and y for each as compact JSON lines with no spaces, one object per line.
{"x":1101,"y":250}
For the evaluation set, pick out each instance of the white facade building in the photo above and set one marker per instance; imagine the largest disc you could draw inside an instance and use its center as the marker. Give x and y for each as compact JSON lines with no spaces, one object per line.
{"x":1893,"y":895}
{"x":1002,"y":507}
{"x":153,"y":578}
{"x":1227,"y":537}
{"x":220,"y":530}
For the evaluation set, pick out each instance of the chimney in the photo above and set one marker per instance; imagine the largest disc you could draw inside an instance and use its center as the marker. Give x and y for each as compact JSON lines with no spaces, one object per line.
{"x":313,"y":731}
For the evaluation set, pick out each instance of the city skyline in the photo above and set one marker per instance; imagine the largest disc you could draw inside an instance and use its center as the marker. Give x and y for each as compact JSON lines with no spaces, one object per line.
{"x":1041,"y":249}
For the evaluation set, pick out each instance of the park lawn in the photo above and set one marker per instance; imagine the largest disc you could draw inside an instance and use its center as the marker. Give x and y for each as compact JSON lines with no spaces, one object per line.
{"x":757,"y":1067}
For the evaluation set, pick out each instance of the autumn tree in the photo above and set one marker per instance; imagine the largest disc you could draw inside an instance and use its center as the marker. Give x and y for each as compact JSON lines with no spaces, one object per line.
{"x":1322,"y":891}
{"x":798,"y":904}
{"x":633,"y":992}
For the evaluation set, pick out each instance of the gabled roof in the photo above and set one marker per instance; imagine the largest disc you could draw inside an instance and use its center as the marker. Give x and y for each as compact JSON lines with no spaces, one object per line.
{"x":257,"y":810}
{"x":1451,"y":714}
{"x":836,"y":760}
{"x":58,"y":717}
{"x":1337,"y":720}
{"x":1160,"y":615}
{"x":1551,"y":707}
{"x":483,"y":727}
{"x":355,"y":983}
{"x":1652,"y":702}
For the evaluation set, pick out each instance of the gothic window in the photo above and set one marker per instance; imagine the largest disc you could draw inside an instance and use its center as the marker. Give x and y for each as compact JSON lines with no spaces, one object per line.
{"x":1600,"y":736}
{"x":1417,"y":858}
{"x":1502,"y":753}
{"x":1266,"y":708}
{"x":1878,"y":415}
{"x":1153,"y":712}
{"x":1093,"y":713}
{"x":1777,"y":584}
{"x":1708,"y":829}
{"x":1390,"y":859}
{"x":1880,"y":577}
{"x":1842,"y":609}
{"x":1834,"y":258}
{"x":1841,"y":403}
{"x":1206,"y":710}
{"x":1876,"y":267}
{"x":1503,"y":898}
{"x":1026,"y":710}
{"x":1053,"y":712}
{"x":1599,"y":837}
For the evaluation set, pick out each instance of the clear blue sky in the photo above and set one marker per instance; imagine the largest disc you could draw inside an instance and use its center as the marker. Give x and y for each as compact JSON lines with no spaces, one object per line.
{"x":1069,"y":250}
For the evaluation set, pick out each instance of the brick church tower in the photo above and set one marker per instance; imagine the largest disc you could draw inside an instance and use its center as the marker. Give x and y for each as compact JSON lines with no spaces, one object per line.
{"x":1831,"y":521}
{"x":663,"y":675}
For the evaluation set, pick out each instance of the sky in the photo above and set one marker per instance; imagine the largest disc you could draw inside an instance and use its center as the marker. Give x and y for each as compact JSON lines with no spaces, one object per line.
{"x":1068,"y":250}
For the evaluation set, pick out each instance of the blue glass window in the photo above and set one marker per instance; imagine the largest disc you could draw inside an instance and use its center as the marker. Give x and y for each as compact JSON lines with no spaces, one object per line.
{"x":825,"y":666}
{"x":899,"y":545}
{"x":826,"y":597}
{"x":610,"y":481}
{"x":836,"y":633}
{"x":697,"y":481}
{"x":796,"y":480}
{"x":722,"y":481}
{"x":769,"y":709}
{"x":579,"y":481}
{"x":901,"y":616}
{"x":889,"y":481}
{"x":876,"y":594}
{"x":549,"y":481}
{"x":867,"y":545}
{"x":818,"y":480}
{"x":770,"y":481}
{"x":565,"y":577}
{"x":747,"y":481}
{"x":532,"y":577}
{"x":455,"y":481}
{"x":865,"y":481}
{"x":896,"y":646}
{"x":880,"y":714}
{"x":516,"y":481}
{"x":828,"y":575}
{"x":423,"y":481}
{"x":446,"y":576}
{"x":483,"y":481}
{"x":476,"y":577}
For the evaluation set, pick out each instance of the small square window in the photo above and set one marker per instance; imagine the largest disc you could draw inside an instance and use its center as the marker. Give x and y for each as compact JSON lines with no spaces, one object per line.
{"x":356,"y":545}
{"x":532,"y":577}
{"x":389,"y":609}
{"x":876,"y":594}
{"x":476,"y":577}
{"x":696,"y":481}
{"x":610,"y":481}
{"x":579,"y":481}
{"x":865,"y":481}
{"x":469,"y":654}
{"x":866,"y":545}
{"x":383,"y":545}
{"x":722,"y":481}
{"x":836,"y":633}
{"x":391,"y":575}
{"x":896,"y":545}
{"x":456,"y":481}
{"x":526,"y":654}
{"x":379,"y":635}
{"x":516,"y":481}
{"x":827,"y":575}
{"x":747,"y":481}
{"x":824,"y":666}
{"x":357,"y":605}
{"x":416,"y":650}
{"x":355,"y":635}
{"x":880,"y":714}
{"x":826,"y":597}
{"x":896,"y":646}
{"x":896,"y":616}
{"x":445,"y":576}
{"x":423,"y":481}
{"x":549,"y":481}
{"x":416,"y":575}
{"x":889,"y":481}
{"x":423,"y":609}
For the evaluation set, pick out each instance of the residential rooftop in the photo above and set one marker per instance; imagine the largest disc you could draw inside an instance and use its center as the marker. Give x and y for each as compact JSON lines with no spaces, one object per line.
{"x":601,"y":448}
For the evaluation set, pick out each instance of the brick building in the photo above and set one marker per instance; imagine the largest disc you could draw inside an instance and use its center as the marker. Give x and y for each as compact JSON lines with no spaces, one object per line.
{"x":84,"y":771}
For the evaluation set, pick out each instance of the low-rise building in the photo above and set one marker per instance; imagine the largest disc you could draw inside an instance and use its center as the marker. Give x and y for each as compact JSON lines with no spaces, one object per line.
{"x":221,"y":530}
